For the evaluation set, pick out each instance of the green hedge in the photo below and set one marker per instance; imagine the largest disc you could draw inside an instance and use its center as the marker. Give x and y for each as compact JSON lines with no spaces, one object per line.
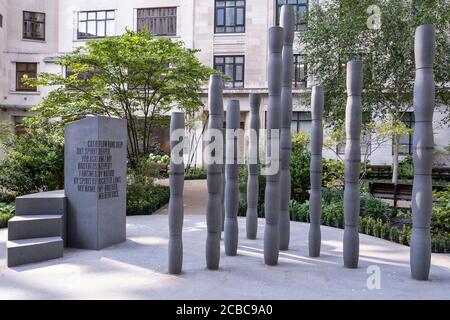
{"x":7,"y":211}
{"x":157,"y":198}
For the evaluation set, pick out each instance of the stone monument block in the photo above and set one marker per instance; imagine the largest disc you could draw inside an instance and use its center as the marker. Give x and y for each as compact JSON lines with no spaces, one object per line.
{"x":95,"y":168}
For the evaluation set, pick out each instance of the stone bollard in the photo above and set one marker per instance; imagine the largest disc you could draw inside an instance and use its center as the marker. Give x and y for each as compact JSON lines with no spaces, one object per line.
{"x":353,"y":119}
{"x":272,"y":191}
{"x":214,"y":175}
{"x":176,"y":182}
{"x":315,"y":196}
{"x":253,"y":167}
{"x":232,"y":172}
{"x":423,"y":145}
{"x":287,"y":21}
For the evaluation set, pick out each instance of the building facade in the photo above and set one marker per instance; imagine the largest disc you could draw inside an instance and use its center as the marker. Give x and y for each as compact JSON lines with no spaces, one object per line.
{"x":232,"y":36}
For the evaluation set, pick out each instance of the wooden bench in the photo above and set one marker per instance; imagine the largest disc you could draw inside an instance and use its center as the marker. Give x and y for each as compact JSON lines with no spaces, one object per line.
{"x":379,"y":172}
{"x":401,"y":191}
{"x":441,"y":173}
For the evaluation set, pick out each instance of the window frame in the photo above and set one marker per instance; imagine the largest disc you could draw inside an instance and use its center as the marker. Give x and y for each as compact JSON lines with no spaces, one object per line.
{"x":160,"y":17}
{"x":1,"y":20}
{"x":297,"y":24}
{"x":298,"y":120}
{"x":296,"y":83}
{"x":27,"y":20}
{"x":29,"y":89}
{"x":244,"y":7}
{"x":232,"y":81}
{"x":96,"y":23}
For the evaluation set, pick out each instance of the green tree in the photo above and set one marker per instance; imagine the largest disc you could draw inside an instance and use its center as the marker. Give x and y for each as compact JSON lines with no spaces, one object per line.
{"x":135,"y":76}
{"x":341,"y":30}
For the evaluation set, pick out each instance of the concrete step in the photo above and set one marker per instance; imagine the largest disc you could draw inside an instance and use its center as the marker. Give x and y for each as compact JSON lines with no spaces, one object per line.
{"x":48,"y":203}
{"x":33,"y":250}
{"x":51,"y":202}
{"x":35,"y":226}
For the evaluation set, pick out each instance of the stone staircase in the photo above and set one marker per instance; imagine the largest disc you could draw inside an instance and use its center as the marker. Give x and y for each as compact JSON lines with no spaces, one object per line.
{"x":38,"y":231}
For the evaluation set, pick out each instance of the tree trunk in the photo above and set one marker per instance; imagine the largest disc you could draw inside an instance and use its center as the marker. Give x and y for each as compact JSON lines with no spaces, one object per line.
{"x":396,"y":142}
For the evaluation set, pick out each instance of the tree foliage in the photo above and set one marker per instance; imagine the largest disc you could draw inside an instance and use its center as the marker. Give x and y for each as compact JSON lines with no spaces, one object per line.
{"x":135,"y":76}
{"x":339,"y":31}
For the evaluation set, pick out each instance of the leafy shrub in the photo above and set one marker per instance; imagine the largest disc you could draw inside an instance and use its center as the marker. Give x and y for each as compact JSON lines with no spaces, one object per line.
{"x":143,"y":196}
{"x":32,"y":163}
{"x":385,"y":231}
{"x":373,"y":207}
{"x":362,"y":225}
{"x":333,"y":215}
{"x":441,"y":211}
{"x":370,"y":224}
{"x":394,"y":234}
{"x":195,"y":174}
{"x":299,"y":211}
{"x":405,"y":168}
{"x":441,"y":243}
{"x":301,"y":157}
{"x":405,"y":235}
{"x":333,"y":173}
{"x":7,"y":211}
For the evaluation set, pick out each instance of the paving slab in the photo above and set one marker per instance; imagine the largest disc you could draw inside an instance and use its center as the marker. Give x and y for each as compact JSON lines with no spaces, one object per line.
{"x":137,"y":269}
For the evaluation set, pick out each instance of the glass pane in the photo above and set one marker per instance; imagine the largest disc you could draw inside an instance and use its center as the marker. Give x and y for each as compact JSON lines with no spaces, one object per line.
{"x":101,"y":15}
{"x":239,"y":59}
{"x":40,"y":17}
{"x":82,"y":27}
{"x":229,"y":60}
{"x":219,"y":59}
{"x":110,"y":14}
{"x":220,"y":29}
{"x":290,"y":2}
{"x":238,"y":84}
{"x":239,"y":73}
{"x":239,"y":29}
{"x":82,"y":16}
{"x":220,"y":19}
{"x":305,"y":116}
{"x":91,"y":28}
{"x":230,"y":29}
{"x":21,"y":66}
{"x":230,"y":17}
{"x":220,"y":4}
{"x":404,"y":139}
{"x":100,"y":28}
{"x":305,"y":126}
{"x":240,"y":3}
{"x":294,"y":127}
{"x":240,"y":16}
{"x":110,"y":28}
{"x":231,"y":3}
{"x":91,"y":15}
{"x":229,"y":70}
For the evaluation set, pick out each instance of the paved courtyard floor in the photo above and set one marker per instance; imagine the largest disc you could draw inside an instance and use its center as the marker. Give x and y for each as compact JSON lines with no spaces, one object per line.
{"x":136,"y":269}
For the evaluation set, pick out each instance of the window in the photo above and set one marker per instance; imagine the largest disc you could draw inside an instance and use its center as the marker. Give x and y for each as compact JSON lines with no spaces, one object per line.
{"x":300,"y":71}
{"x":25,"y":70}
{"x":33,"y":25}
{"x":230,"y":16}
{"x":301,"y":121}
{"x":406,"y":141}
{"x":159,"y":21}
{"x":301,"y":7}
{"x":1,"y":21}
{"x":233,"y":67}
{"x":95,"y":24}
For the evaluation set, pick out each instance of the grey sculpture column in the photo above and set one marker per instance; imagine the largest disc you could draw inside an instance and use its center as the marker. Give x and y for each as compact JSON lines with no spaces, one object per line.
{"x":423,"y":145}
{"x":253,"y":167}
{"x":231,"y":185}
{"x":315,"y":196}
{"x":272,"y":192}
{"x":287,"y":21}
{"x":176,"y":183}
{"x":215,"y":176}
{"x":353,"y":118}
